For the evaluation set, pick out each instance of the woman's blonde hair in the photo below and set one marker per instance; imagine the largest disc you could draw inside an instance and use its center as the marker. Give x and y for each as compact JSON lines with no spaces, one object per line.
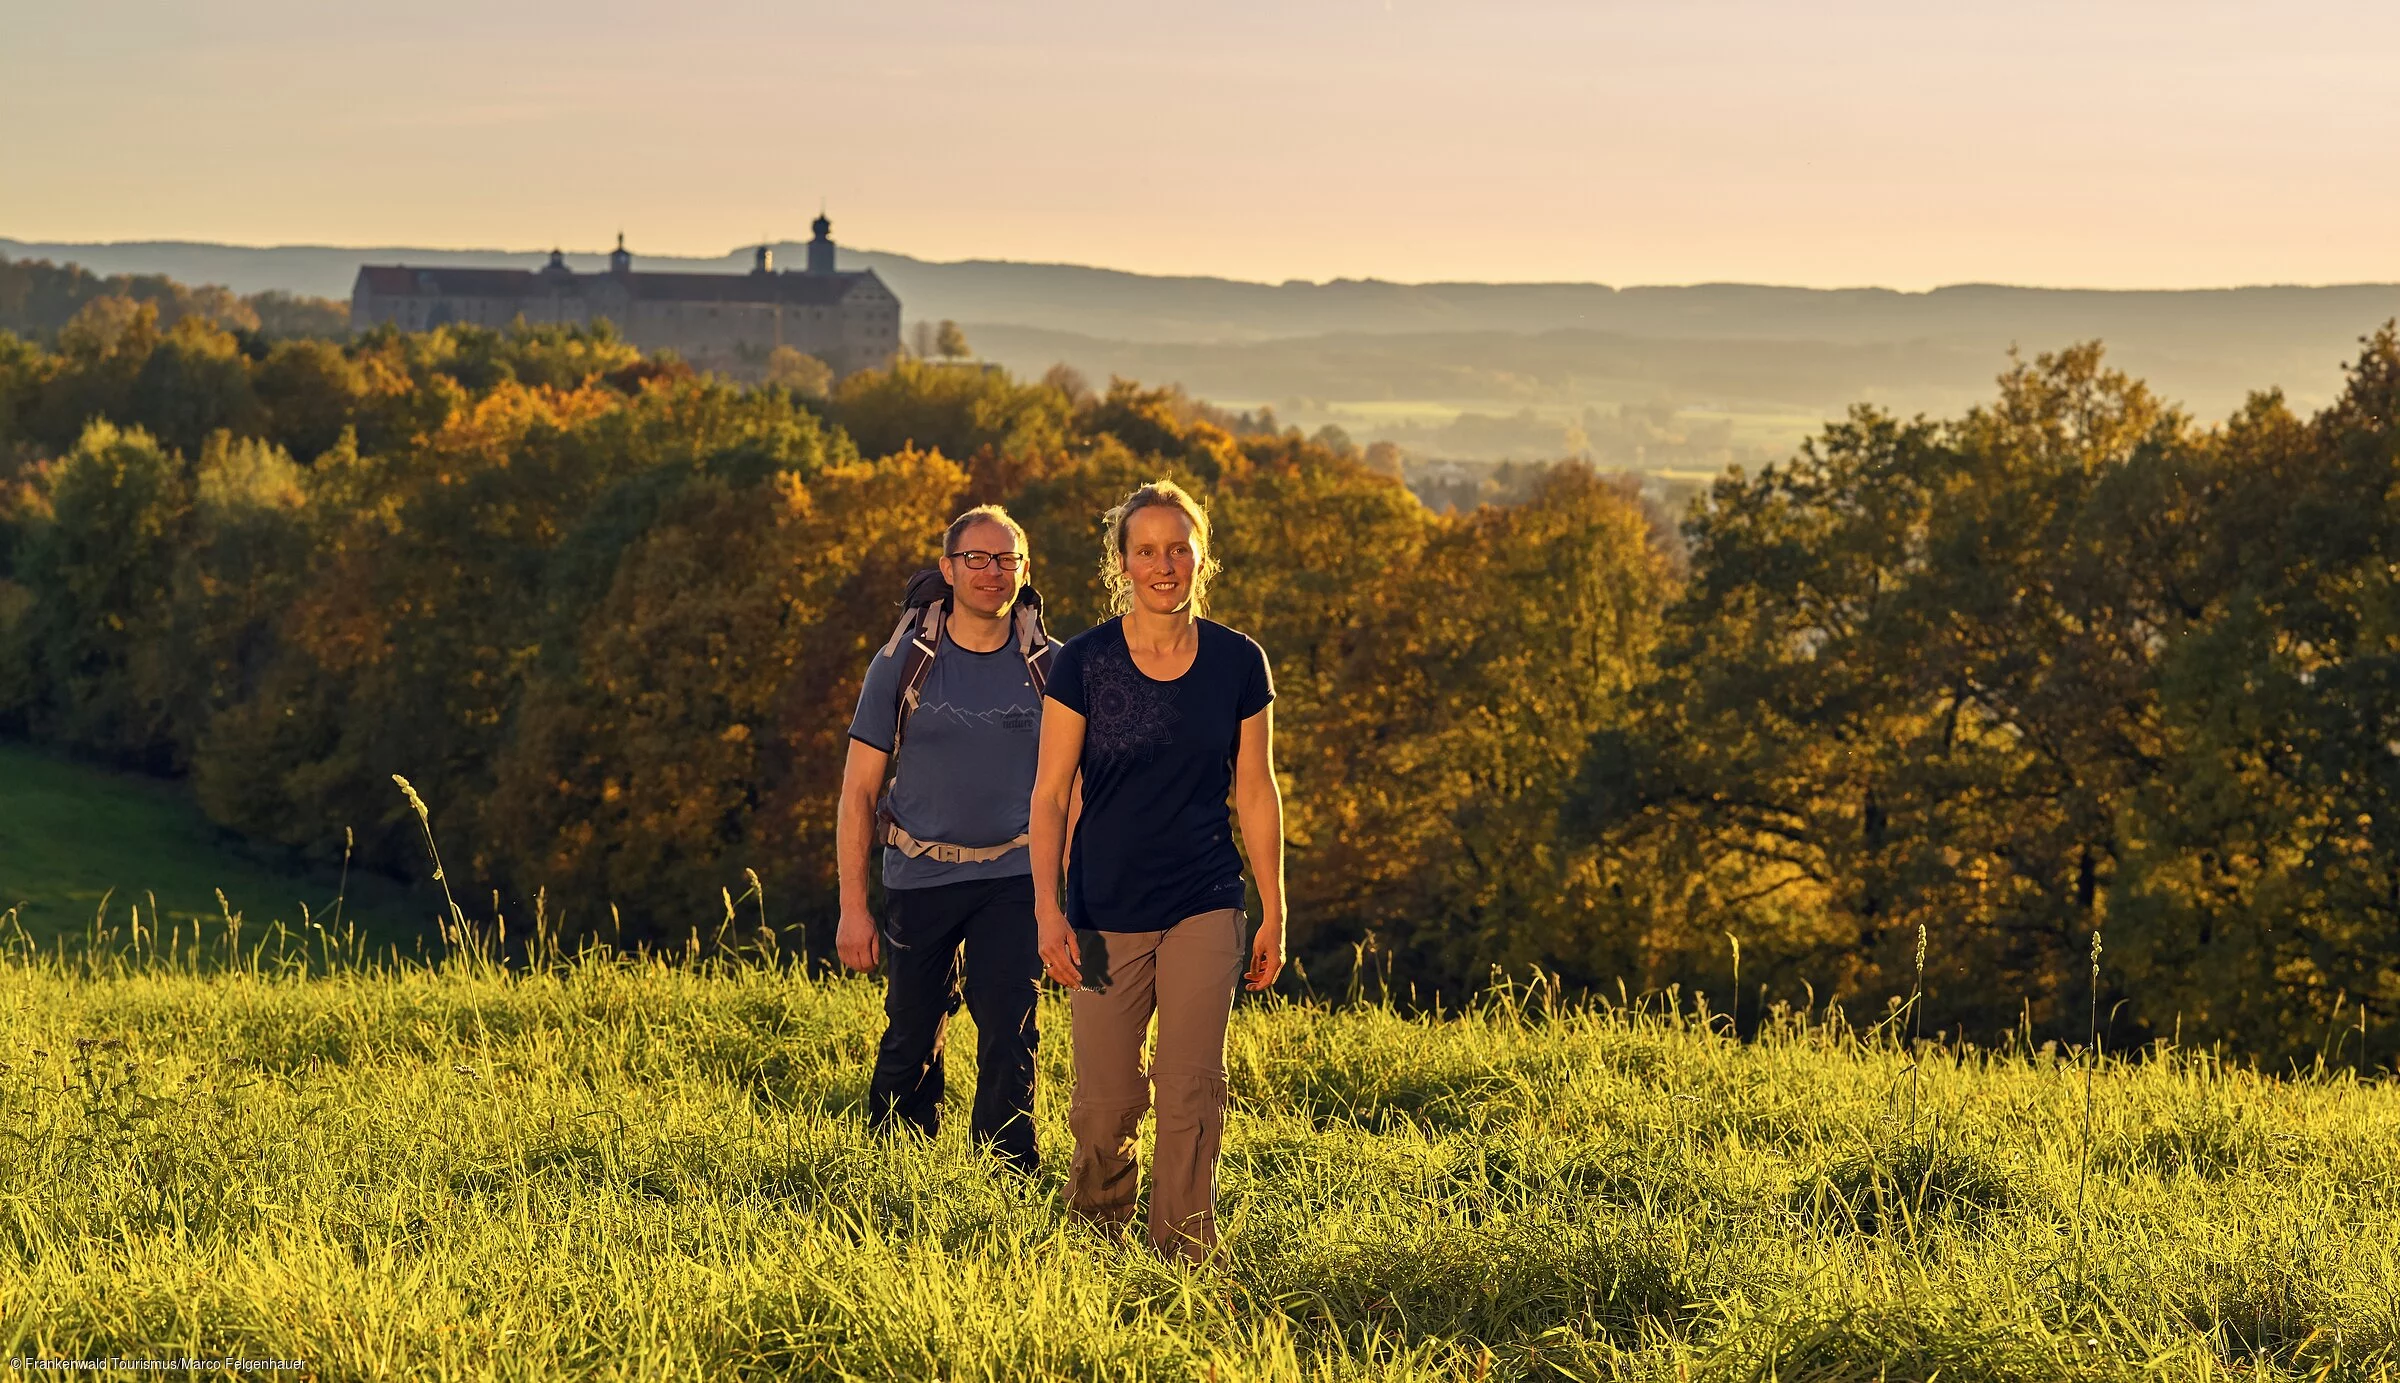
{"x":1158,"y":494}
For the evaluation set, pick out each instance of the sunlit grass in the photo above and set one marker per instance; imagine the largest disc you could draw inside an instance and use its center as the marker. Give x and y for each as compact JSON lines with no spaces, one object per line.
{"x":623,"y":1169}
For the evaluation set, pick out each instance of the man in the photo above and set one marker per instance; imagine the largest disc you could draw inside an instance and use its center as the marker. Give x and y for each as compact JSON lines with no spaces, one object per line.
{"x":953,"y":703}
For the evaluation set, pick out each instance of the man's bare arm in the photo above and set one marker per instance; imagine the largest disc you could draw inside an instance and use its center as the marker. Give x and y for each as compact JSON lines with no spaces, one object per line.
{"x":853,"y":848}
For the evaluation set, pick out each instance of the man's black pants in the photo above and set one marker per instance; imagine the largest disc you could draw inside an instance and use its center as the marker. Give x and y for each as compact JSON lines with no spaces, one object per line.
{"x":924,"y":931}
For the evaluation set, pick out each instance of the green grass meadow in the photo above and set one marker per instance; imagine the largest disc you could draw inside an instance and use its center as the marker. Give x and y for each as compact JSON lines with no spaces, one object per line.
{"x":604,"y":1167}
{"x":620,"y":1169}
{"x":80,"y":846}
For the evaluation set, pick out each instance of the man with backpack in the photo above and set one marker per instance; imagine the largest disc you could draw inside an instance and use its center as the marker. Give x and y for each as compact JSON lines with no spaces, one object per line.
{"x":952,"y":708}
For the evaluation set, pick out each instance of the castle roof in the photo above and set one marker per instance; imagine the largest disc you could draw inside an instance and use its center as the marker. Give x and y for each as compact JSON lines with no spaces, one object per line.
{"x":395,"y":280}
{"x":802,"y":290}
{"x":789,"y":289}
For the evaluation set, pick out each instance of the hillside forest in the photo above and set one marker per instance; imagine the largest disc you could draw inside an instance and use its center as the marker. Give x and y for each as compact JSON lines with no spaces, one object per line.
{"x":38,"y":300}
{"x":1970,"y":688}
{"x":1677,"y":381}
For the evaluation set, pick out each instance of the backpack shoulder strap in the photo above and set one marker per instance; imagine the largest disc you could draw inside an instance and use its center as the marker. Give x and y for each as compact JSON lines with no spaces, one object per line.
{"x":915,"y":639}
{"x":1033,"y":638}
{"x":922,"y":631}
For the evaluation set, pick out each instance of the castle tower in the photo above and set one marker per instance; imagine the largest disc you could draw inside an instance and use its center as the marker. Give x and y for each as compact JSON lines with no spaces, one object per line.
{"x":820,"y":250}
{"x":619,"y":261}
{"x":762,"y":260}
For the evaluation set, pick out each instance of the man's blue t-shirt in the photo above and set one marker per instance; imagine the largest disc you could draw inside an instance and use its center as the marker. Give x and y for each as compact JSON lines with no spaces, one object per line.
{"x":1154,"y":844}
{"x":965,"y":775}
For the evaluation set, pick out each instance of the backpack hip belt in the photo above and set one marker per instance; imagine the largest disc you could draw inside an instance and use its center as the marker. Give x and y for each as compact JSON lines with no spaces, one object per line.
{"x":947,"y":853}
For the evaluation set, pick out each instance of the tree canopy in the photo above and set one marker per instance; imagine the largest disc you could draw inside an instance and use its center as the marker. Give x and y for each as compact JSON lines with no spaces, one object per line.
{"x":39,"y":299}
{"x":2071,"y":661}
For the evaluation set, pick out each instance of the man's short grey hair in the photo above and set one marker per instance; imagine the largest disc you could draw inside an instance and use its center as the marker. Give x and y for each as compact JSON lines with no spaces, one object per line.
{"x":984,"y":513}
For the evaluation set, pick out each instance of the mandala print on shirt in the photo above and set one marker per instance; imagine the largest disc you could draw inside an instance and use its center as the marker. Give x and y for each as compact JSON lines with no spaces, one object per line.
{"x":1129,"y":712}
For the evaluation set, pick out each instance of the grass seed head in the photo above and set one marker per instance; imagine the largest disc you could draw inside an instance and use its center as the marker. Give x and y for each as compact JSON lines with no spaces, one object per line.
{"x":416,"y":803}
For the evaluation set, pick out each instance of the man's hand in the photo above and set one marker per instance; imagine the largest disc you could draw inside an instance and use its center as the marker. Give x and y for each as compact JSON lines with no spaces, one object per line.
{"x":1060,"y":955}
{"x":858,"y":940}
{"x":1266,"y":956}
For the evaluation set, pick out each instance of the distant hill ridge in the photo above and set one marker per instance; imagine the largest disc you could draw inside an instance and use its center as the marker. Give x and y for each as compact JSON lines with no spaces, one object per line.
{"x":1392,"y":360}
{"x":1119,"y":305}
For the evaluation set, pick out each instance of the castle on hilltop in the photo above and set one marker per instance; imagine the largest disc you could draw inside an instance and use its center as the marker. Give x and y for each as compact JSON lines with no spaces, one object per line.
{"x":732,"y":322}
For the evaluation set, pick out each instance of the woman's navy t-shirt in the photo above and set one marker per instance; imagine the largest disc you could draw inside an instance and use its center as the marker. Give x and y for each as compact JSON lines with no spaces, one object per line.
{"x":1154,"y":844}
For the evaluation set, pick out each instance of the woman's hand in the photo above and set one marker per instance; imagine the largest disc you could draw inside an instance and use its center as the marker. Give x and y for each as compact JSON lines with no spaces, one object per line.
{"x":1060,"y":955}
{"x":1266,"y":955}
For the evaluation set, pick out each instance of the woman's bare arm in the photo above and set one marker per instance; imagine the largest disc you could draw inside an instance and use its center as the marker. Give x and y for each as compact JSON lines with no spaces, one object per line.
{"x":1057,"y":796}
{"x":1258,"y":806}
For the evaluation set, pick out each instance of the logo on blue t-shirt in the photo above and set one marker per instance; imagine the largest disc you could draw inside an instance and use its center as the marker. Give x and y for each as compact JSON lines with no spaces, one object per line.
{"x":1130,"y":714}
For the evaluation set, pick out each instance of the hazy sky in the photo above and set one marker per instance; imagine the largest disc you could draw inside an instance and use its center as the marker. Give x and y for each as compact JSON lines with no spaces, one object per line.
{"x":2124,"y":143}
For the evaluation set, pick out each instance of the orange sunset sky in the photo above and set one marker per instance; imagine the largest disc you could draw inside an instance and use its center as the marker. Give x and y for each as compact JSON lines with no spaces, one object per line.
{"x":2128,"y":144}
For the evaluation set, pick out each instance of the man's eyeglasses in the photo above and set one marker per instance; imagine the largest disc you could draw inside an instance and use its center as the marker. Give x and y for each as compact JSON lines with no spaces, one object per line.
{"x":977,"y":561}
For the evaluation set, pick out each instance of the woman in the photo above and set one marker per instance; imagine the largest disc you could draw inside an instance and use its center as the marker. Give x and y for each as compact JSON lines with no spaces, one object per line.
{"x":1162,"y":713}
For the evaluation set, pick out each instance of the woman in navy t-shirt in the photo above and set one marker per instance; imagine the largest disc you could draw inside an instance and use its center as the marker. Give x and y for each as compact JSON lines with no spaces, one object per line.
{"x":1165,"y":716}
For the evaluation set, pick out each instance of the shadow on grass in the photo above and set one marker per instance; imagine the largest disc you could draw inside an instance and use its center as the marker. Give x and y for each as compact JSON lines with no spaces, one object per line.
{"x":580,"y":1163}
{"x":2282,"y":1311}
{"x":1457,"y":1094}
{"x":2208,"y":1141}
{"x":1502,"y":1285}
{"x":1914,"y":1341}
{"x":1886,"y":1188}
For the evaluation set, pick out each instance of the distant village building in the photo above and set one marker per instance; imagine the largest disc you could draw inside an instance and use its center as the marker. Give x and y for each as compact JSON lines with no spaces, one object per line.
{"x":731,"y":322}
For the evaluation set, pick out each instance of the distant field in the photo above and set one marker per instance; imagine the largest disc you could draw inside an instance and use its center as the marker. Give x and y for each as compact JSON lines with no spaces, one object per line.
{"x":610,"y":1171}
{"x":1780,"y":433}
{"x":1755,"y":436}
{"x":1386,"y":412}
{"x":73,"y":838}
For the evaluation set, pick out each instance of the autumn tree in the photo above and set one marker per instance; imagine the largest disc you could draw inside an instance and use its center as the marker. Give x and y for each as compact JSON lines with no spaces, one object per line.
{"x":95,"y":554}
{"x":693,"y":730}
{"x":955,"y":412}
{"x":800,"y":372}
{"x":1916,"y":682}
{"x":2259,"y":893}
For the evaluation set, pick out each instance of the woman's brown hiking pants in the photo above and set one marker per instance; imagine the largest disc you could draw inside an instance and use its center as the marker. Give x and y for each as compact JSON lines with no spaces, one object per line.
{"x":1186,"y":976}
